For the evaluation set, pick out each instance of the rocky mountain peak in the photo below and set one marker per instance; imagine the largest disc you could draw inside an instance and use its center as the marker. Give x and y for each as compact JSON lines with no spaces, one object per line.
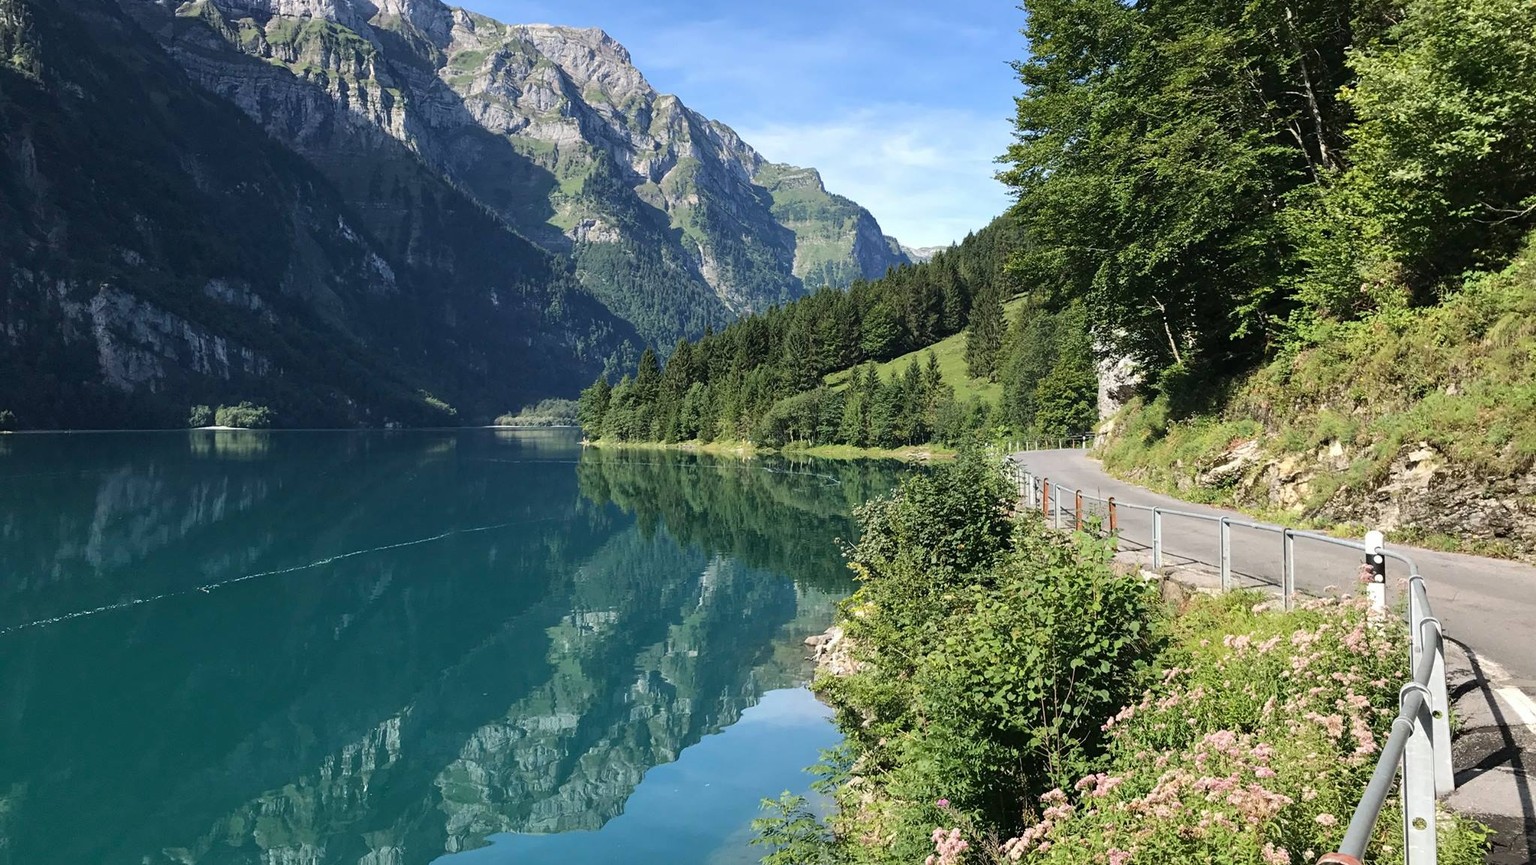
{"x":430,"y":17}
{"x":671,"y":218}
{"x":589,"y":57}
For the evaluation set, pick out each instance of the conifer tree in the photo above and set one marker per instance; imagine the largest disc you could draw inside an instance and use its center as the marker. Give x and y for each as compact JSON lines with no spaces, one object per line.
{"x":592,"y":406}
{"x":985,"y":338}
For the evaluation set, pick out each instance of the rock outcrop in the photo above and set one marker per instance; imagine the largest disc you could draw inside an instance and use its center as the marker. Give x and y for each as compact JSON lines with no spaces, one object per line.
{"x":1421,"y":491}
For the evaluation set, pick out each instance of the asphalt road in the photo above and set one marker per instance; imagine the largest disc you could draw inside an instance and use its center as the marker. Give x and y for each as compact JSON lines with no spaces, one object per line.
{"x":1487,"y":604}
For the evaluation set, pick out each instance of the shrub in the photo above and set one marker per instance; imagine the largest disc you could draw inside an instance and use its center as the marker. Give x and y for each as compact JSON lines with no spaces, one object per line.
{"x":7,"y":420}
{"x":546,"y":412}
{"x":1252,"y":747}
{"x":200,"y":416}
{"x":245,"y":415}
{"x":992,"y":650}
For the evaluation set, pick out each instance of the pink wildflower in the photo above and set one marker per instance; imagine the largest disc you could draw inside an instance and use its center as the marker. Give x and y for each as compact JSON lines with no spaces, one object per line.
{"x":947,"y":847}
{"x":1118,"y":856}
{"x":1326,"y":820}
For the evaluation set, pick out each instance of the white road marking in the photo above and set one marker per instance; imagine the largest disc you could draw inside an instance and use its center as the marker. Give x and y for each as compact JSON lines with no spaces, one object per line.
{"x":1520,"y":704}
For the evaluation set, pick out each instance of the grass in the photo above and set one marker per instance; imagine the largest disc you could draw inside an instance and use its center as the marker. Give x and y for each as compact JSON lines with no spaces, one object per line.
{"x":912,"y":453}
{"x":951,"y":354}
{"x":722,"y":447}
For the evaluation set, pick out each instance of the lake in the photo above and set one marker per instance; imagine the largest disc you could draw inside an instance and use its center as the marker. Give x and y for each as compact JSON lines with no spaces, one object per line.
{"x":393,"y":648}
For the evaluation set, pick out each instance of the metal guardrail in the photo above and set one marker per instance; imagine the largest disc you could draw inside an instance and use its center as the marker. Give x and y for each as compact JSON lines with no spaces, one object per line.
{"x":1420,"y":742}
{"x":1077,"y":441}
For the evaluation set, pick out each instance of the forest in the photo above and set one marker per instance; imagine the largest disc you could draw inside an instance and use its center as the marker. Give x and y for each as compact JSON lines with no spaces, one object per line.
{"x":764,"y":378}
{"x":1201,"y":188}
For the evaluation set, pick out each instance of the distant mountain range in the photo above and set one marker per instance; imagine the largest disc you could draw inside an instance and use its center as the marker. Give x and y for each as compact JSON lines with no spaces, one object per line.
{"x":361,"y":212}
{"x":923,"y":253}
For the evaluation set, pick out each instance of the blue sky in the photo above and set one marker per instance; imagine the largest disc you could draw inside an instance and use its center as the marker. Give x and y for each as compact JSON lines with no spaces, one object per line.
{"x":902,"y":104}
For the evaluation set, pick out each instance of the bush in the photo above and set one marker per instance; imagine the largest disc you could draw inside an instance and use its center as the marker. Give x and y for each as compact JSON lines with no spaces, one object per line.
{"x":200,"y":416}
{"x":1252,"y":747}
{"x":936,"y":533}
{"x":7,"y":420}
{"x":992,"y":650}
{"x":1013,"y":689}
{"x":547,"y":412}
{"x":245,"y":416}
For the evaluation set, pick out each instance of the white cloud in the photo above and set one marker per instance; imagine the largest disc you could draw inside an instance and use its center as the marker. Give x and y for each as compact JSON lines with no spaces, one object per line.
{"x":926,"y":174}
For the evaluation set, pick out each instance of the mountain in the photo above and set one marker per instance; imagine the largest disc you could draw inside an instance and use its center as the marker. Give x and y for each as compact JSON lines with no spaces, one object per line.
{"x":920,"y":254}
{"x":360,"y":212}
{"x":672,"y":220}
{"x":159,"y":249}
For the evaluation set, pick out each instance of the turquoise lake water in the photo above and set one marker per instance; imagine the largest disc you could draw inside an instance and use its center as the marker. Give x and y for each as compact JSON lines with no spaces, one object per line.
{"x":468,"y":647}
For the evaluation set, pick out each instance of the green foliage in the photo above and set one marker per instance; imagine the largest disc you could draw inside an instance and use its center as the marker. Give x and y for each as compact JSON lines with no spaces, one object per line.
{"x":991,"y":649}
{"x":1441,"y":178}
{"x":762,"y":378}
{"x":933,"y":535}
{"x":1156,"y":144}
{"x":592,"y":407}
{"x":245,"y":416}
{"x":1050,"y":379}
{"x":1217,"y":183}
{"x":7,"y":420}
{"x":1252,"y":746}
{"x":443,"y":409}
{"x":984,"y":339}
{"x":794,"y":834}
{"x":200,"y":416}
{"x":545,"y":412}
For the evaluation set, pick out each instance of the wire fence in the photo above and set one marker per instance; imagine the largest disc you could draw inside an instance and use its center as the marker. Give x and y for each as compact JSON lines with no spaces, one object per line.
{"x":1419,"y":746}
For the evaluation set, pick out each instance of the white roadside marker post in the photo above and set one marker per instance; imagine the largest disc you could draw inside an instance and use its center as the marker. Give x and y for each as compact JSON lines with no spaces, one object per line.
{"x":1376,"y":589}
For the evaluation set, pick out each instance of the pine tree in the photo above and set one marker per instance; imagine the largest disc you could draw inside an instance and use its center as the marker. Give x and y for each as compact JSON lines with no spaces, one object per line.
{"x":593,"y":406}
{"x":647,"y":390}
{"x":985,"y":338}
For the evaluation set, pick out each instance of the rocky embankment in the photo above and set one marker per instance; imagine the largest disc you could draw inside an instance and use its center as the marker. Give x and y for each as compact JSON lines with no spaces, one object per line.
{"x":1422,"y":493}
{"x":831,"y":651}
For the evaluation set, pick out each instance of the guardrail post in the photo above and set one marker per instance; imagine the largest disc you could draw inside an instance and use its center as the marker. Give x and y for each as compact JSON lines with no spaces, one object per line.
{"x":1157,"y":539}
{"x":1045,"y":498}
{"x":1056,"y":520}
{"x":1376,"y":590}
{"x":1226,"y":553}
{"x":1416,"y":614}
{"x":1439,"y":705}
{"x":1077,"y":510}
{"x":1114,"y":517}
{"x":1288,"y":569}
{"x":1418,"y":786}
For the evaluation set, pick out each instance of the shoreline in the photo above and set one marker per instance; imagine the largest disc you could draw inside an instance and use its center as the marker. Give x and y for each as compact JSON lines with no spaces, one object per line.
{"x":749,"y":450}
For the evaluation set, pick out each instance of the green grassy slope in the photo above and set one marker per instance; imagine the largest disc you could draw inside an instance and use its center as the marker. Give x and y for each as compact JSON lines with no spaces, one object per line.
{"x":951,"y":354}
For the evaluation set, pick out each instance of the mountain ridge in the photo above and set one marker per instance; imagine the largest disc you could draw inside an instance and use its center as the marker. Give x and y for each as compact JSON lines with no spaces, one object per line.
{"x":556,"y":131}
{"x":429,"y":219}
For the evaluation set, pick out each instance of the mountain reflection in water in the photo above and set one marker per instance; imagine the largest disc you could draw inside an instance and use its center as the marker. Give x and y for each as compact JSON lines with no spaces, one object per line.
{"x":382,"y":648}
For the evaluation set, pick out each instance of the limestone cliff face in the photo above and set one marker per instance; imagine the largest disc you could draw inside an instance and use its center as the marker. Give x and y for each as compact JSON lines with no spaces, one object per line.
{"x":158,"y":251}
{"x":551,"y":128}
